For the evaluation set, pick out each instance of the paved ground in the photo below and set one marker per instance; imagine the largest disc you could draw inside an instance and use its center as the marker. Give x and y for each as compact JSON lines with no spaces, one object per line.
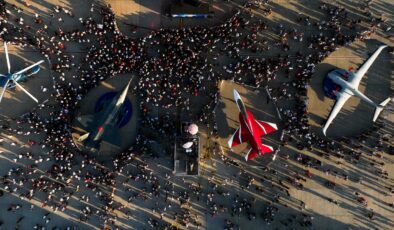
{"x":355,"y":116}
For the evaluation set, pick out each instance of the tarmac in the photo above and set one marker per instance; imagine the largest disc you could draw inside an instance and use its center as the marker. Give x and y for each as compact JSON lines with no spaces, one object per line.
{"x":137,"y":18}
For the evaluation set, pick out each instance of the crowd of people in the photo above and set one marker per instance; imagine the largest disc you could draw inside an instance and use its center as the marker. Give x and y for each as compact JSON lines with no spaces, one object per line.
{"x":175,"y":69}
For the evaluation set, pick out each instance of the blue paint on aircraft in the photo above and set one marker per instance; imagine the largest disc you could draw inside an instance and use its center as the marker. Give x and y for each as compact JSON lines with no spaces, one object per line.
{"x":125,"y":113}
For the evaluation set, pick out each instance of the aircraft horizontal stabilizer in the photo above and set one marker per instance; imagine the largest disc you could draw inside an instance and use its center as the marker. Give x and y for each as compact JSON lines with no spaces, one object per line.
{"x":83,"y":137}
{"x":238,"y":137}
{"x":266,"y":149}
{"x":379,"y":109}
{"x":252,"y":153}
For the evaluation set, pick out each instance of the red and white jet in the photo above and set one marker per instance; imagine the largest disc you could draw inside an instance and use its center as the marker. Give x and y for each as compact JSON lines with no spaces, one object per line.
{"x":250,"y":130}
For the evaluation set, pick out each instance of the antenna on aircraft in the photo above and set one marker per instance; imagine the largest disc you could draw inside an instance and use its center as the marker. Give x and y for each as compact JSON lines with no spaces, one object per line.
{"x":10,"y":80}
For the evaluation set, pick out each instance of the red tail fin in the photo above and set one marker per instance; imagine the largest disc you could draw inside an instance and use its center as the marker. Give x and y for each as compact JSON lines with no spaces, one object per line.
{"x":266,"y":149}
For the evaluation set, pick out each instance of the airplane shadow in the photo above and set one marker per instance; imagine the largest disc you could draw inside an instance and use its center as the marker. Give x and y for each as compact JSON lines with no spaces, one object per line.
{"x":221,"y":120}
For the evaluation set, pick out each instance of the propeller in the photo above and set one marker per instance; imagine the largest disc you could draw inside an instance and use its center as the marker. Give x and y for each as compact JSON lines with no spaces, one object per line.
{"x":24,"y":90}
{"x":29,"y":67}
{"x":8,"y":58}
{"x":4,"y":89}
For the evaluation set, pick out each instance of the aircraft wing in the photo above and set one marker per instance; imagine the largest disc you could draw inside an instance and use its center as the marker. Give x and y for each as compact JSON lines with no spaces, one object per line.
{"x":342,"y":98}
{"x":252,"y":153}
{"x":112,"y":135}
{"x":364,"y":68}
{"x":264,"y":127}
{"x":85,"y":120}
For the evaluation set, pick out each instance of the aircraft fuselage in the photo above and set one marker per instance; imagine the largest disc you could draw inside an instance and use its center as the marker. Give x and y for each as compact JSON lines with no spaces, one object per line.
{"x":254,"y":141}
{"x":108,"y":116}
{"x":337,"y":81}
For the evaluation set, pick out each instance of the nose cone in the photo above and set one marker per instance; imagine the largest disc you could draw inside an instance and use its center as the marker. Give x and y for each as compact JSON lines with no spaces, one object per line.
{"x":123,"y":95}
{"x":240,"y":103}
{"x":236,"y":95}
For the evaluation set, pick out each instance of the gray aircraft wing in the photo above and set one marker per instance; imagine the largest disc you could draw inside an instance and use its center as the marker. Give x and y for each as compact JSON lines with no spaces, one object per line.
{"x":364,"y":68}
{"x":342,"y":98}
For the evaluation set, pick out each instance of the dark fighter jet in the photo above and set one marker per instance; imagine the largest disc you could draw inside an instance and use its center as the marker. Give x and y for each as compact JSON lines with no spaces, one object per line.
{"x":103,"y":125}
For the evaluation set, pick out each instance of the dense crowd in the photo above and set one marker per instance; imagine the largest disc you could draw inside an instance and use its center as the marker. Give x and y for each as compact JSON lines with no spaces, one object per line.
{"x":175,"y":66}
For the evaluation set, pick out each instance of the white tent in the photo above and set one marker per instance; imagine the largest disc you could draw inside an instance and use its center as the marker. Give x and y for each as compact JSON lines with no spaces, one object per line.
{"x":192,"y":129}
{"x":187,"y":145}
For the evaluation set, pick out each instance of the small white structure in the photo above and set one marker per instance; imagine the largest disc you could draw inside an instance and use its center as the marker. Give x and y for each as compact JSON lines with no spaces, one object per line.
{"x":187,"y":145}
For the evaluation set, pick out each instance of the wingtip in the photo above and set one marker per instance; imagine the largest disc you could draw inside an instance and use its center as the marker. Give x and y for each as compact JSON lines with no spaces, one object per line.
{"x":275,"y":126}
{"x":324,"y":132}
{"x":384,"y":103}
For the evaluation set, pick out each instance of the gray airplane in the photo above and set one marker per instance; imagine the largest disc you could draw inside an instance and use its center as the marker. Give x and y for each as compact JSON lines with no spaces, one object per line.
{"x":103,"y":125}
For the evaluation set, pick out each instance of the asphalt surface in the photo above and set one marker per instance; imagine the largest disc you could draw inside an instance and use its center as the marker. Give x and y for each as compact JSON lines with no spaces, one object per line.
{"x":354,"y":119}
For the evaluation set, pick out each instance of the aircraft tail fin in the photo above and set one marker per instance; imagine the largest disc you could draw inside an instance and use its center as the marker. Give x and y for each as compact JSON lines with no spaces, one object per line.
{"x":83,"y":137}
{"x":379,"y":108}
{"x":252,"y":153}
